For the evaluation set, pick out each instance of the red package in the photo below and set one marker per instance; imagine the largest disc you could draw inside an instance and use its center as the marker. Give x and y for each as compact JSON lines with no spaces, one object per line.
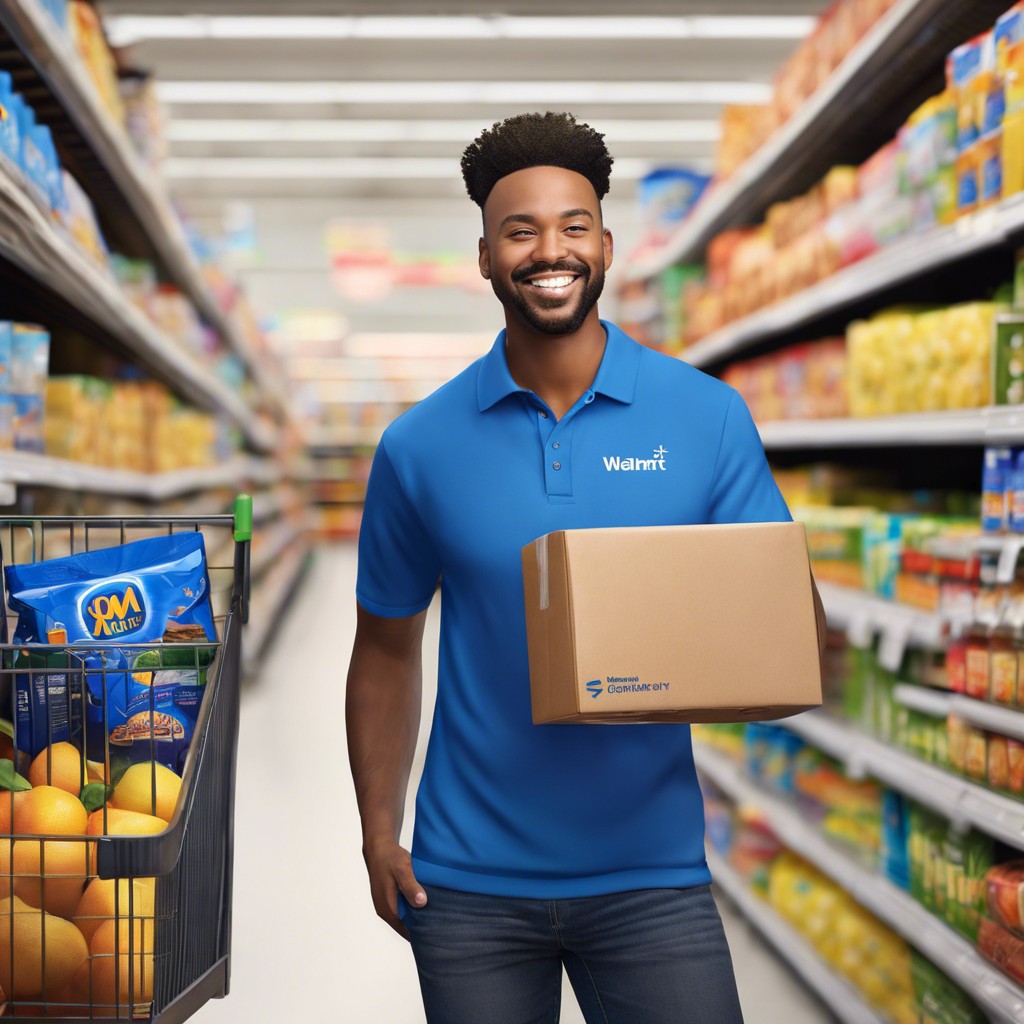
{"x":1002,"y":948}
{"x":1004,"y":894}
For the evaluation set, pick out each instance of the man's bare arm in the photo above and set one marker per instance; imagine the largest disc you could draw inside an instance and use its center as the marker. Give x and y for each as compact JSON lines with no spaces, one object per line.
{"x":382,"y":717}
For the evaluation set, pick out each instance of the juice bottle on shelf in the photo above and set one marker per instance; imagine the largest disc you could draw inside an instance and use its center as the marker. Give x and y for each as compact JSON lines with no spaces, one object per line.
{"x":1003,"y":658}
{"x":977,"y":663}
{"x":956,"y":664}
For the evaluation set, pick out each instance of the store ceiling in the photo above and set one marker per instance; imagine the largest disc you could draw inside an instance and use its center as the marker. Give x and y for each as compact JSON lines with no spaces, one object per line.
{"x":358,"y":147}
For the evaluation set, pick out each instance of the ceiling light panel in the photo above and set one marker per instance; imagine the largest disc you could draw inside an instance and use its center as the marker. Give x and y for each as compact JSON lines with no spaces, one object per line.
{"x":376,"y":168}
{"x":128,"y":29}
{"x":259,"y":130}
{"x":608,"y":92}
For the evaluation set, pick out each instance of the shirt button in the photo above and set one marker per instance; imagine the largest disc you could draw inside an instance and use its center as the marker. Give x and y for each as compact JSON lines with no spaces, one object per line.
{"x":543,"y":415}
{"x":555,"y":444}
{"x":588,"y":399}
{"x":556,"y":465}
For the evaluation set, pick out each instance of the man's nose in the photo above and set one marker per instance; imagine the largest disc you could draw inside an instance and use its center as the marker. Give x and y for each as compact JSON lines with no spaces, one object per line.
{"x":549,"y":247}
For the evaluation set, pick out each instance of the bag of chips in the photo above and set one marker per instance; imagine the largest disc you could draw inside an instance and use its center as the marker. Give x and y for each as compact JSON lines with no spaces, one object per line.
{"x":144,"y":592}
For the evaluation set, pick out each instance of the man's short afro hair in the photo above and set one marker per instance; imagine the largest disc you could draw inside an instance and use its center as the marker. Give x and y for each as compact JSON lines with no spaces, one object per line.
{"x":535,"y":140}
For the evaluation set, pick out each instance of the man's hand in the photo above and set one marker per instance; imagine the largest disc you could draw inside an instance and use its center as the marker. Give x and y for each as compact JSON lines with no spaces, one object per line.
{"x":390,"y":869}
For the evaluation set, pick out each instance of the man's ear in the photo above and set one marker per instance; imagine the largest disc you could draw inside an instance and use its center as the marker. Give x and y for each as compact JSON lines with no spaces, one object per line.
{"x":609,"y":248}
{"x":485,"y":261}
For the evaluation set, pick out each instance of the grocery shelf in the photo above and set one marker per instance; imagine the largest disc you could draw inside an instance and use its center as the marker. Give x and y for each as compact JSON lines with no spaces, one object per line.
{"x":841,"y":998}
{"x":1008,"y":547}
{"x":897,"y":65}
{"x":864,"y":616}
{"x":31,"y":470}
{"x":129,"y":198}
{"x":995,"y":718}
{"x":958,"y":799}
{"x":1000,"y":998}
{"x":346,"y":437}
{"x":268,"y":598}
{"x":958,"y":427}
{"x":30,"y":243}
{"x":908,"y":259}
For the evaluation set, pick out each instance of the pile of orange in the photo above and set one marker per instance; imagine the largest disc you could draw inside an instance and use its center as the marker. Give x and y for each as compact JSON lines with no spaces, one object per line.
{"x":66,"y":936}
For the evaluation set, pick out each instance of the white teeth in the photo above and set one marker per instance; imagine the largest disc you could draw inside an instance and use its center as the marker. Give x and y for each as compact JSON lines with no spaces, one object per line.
{"x":553,"y":282}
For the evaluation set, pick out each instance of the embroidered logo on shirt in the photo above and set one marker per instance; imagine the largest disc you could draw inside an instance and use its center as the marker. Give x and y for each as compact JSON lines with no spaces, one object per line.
{"x":631,"y":464}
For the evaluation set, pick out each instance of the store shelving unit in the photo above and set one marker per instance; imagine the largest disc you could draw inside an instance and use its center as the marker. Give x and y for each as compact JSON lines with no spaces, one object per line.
{"x":841,"y":998}
{"x":993,"y":425}
{"x":280,"y":566}
{"x":958,"y":799}
{"x":896,"y":66}
{"x":1002,"y":720}
{"x":71,"y":281}
{"x":31,"y":470}
{"x":864,"y":617}
{"x":995,"y":993}
{"x":905,"y":260}
{"x":130,"y":200}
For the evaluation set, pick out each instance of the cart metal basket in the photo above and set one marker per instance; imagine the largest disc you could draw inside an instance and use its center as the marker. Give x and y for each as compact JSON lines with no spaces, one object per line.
{"x":158,"y":932}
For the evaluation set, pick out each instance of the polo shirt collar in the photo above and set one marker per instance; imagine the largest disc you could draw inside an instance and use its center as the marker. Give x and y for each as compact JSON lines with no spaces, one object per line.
{"x":616,"y":376}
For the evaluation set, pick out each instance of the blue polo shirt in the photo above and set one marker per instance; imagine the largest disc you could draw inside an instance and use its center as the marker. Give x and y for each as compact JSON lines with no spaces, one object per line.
{"x":459,"y":484}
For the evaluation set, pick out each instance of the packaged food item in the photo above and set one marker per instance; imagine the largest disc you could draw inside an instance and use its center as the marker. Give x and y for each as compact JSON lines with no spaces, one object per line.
{"x":1013,"y":120}
{"x":1002,"y":948}
{"x":10,"y":141}
{"x":1004,"y":895}
{"x":978,"y":665}
{"x":48,"y":705}
{"x":998,"y":464}
{"x":1015,"y":758}
{"x":124,"y":595}
{"x":30,"y":357}
{"x":1003,"y":666}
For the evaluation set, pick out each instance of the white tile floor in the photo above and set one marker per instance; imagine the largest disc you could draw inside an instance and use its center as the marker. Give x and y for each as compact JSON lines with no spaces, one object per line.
{"x":307,"y":945}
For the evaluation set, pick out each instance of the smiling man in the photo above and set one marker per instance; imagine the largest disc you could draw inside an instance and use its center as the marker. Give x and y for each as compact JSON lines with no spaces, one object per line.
{"x":539,"y":847}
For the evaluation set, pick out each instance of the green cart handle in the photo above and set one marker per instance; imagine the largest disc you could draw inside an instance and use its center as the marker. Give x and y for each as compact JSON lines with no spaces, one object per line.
{"x":243,"y":518}
{"x":243,"y":542}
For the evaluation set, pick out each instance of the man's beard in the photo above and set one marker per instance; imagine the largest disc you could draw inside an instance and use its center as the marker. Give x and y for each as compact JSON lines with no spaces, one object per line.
{"x":562,"y":321}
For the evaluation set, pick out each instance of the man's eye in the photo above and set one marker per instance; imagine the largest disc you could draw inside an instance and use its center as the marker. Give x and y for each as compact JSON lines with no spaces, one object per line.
{"x":520,"y":231}
{"x":576,"y":227}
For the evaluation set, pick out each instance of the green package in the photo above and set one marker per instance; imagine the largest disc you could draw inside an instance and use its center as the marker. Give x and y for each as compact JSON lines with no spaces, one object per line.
{"x":1008,"y":359}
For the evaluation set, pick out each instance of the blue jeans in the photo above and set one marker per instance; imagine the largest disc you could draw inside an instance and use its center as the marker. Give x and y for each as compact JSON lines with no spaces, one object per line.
{"x":651,"y":956}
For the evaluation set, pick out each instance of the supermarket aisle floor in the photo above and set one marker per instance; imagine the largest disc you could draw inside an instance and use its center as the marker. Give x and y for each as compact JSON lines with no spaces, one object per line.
{"x":307,"y":945}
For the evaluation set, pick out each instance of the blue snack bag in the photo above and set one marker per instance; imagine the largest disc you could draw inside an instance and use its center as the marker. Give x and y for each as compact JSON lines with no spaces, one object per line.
{"x":132,"y":594}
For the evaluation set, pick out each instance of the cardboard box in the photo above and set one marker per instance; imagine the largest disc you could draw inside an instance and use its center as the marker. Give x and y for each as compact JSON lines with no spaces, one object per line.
{"x":671,"y":624}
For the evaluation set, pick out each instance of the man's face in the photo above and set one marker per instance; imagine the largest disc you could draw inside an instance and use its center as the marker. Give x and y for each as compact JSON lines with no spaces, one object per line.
{"x":544,"y":249}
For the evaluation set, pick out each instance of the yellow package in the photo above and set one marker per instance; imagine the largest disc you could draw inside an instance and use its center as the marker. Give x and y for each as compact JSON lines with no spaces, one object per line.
{"x":1013,"y":122}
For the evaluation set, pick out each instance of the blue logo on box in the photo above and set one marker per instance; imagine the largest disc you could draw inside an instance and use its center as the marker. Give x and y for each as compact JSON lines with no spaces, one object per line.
{"x":595,"y":688}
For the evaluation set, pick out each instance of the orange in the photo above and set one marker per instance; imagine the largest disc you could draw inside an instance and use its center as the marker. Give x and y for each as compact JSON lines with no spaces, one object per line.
{"x":66,"y":950}
{"x":121,"y":961}
{"x":8,"y":801}
{"x":121,"y":823}
{"x":66,"y":866}
{"x":148,"y":788}
{"x":59,"y":765}
{"x":47,"y":810}
{"x":105,"y":899}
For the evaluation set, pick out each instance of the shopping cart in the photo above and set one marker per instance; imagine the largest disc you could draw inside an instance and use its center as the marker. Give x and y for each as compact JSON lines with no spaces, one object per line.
{"x":157,"y":927}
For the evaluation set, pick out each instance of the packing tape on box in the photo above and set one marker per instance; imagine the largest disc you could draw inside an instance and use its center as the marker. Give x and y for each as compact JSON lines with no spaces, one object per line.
{"x":542,"y":571}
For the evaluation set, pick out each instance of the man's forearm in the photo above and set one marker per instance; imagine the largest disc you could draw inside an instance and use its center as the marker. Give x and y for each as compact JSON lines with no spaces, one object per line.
{"x":382,"y":715}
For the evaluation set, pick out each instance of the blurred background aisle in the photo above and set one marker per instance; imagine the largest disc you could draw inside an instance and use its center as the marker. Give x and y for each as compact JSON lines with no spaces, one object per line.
{"x":234,"y":246}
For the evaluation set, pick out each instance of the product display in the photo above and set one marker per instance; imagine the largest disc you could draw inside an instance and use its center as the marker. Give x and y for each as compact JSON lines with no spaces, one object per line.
{"x":131,"y":595}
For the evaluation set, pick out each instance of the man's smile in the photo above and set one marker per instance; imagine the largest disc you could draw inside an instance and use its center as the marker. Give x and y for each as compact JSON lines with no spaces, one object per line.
{"x":553,"y":285}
